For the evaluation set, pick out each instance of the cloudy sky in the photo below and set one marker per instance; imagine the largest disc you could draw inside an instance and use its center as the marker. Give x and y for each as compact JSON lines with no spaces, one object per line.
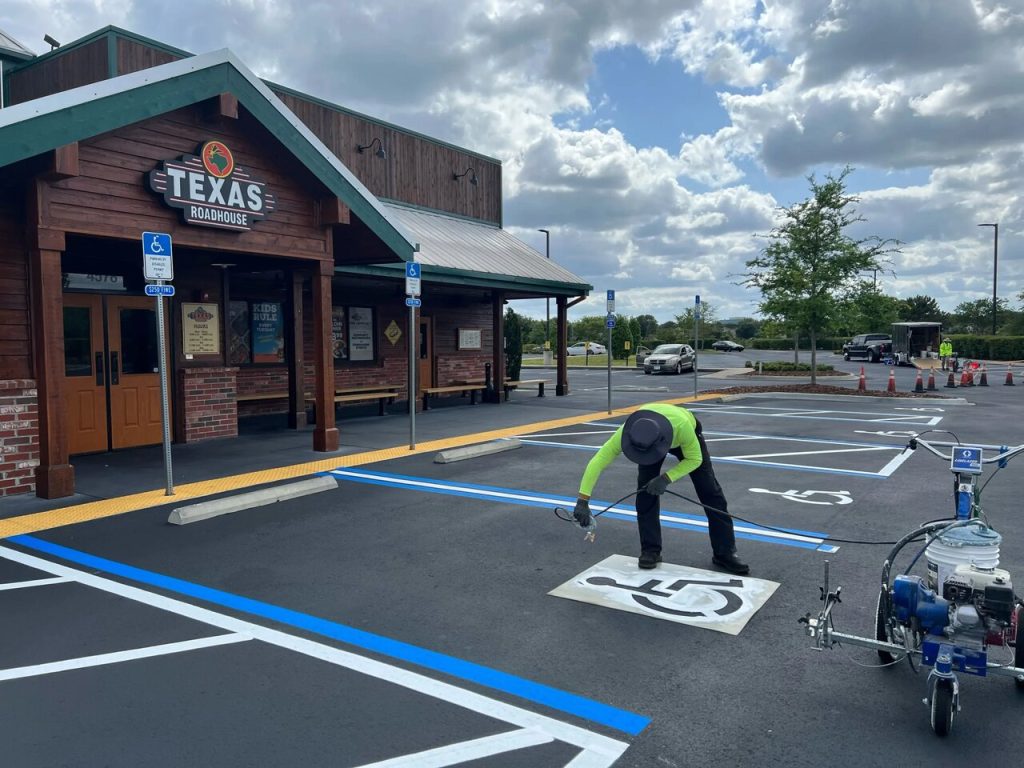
{"x":656,"y":138}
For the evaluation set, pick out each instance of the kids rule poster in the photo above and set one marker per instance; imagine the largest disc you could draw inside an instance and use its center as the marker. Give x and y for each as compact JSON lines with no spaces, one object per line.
{"x":267,"y":332}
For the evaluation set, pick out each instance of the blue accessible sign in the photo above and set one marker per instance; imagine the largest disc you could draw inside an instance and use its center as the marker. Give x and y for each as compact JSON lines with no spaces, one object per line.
{"x":157,"y":256}
{"x":411,"y":302}
{"x":610,"y":321}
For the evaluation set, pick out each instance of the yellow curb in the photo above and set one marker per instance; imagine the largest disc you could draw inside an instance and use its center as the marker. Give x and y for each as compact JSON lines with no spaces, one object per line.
{"x":95,"y":510}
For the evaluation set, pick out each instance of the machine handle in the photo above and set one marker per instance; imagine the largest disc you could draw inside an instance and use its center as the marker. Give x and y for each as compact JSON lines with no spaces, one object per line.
{"x":114,"y":369}
{"x":99,"y":369}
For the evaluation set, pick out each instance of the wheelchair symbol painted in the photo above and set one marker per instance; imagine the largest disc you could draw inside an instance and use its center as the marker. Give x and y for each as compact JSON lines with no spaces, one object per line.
{"x":804,"y":497}
{"x":886,"y":433}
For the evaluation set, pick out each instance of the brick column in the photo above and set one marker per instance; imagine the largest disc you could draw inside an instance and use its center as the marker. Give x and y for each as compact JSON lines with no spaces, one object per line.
{"x":19,"y":436}
{"x":210,"y":406}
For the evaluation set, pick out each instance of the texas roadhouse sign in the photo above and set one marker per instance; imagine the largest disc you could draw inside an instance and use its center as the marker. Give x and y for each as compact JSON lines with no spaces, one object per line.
{"x":211,"y":191}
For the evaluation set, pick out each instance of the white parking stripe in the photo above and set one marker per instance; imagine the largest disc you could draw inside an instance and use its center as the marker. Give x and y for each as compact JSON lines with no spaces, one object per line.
{"x":810,"y":453}
{"x":465,"y":751}
{"x":117,"y":657}
{"x":605,"y":750}
{"x":32,"y":583}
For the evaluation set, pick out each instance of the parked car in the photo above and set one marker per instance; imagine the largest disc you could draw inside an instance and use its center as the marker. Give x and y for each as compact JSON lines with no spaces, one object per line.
{"x":669,"y":358}
{"x":727,"y":346}
{"x":873,"y":346}
{"x":586,"y":348}
{"x":641,"y":354}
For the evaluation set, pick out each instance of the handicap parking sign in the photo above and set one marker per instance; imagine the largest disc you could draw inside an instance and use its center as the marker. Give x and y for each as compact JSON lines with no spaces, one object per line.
{"x":157,"y":256}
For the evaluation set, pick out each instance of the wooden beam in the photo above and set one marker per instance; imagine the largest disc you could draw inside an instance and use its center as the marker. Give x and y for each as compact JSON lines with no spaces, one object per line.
{"x":64,"y":162}
{"x":562,"y":335}
{"x":333,"y":211}
{"x":325,"y":434}
{"x":296,"y":355}
{"x":497,"y":348}
{"x":55,"y":477}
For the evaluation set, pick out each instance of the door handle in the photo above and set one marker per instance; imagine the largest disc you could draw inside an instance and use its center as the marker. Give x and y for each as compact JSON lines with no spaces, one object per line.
{"x":114,"y":376}
{"x":99,"y":369}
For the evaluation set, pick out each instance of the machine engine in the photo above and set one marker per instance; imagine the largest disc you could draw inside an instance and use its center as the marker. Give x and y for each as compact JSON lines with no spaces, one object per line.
{"x":976,"y":605}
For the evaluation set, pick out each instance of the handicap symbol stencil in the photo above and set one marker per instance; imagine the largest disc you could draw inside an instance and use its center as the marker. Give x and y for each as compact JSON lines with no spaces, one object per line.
{"x":648,"y":595}
{"x":676,"y":593}
{"x":804,"y":497}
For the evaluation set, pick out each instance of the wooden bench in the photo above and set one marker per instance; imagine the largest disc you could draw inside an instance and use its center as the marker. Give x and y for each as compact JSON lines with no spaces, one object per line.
{"x":462,"y":388}
{"x":382,"y":395}
{"x":539,"y":383}
{"x":253,"y":396}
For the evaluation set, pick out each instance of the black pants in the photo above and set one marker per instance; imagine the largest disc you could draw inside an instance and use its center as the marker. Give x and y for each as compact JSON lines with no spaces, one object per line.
{"x":648,"y":506}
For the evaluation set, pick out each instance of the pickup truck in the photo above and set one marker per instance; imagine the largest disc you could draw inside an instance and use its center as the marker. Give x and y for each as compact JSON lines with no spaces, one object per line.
{"x":873,"y":346}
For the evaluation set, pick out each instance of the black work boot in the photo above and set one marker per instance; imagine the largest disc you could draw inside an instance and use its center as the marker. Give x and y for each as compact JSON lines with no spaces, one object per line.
{"x":648,"y":559}
{"x":731,"y":563}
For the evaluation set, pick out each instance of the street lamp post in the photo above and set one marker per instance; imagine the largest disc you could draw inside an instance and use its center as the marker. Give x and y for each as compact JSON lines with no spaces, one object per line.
{"x":547,"y":252}
{"x":995,"y":268}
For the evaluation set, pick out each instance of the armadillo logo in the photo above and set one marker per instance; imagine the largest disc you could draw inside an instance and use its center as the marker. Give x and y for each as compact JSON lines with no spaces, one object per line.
{"x":211,"y":191}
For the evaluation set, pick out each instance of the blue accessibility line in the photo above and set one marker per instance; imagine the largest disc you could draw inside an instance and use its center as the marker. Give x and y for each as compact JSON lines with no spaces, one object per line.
{"x":627,"y":722}
{"x":544,"y":500}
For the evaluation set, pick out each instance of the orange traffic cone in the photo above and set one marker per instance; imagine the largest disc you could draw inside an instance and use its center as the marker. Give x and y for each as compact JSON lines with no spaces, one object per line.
{"x":951,"y":382}
{"x":862,"y":383}
{"x":984,"y":376}
{"x":919,"y":383}
{"x":892,"y":381}
{"x":965,"y":378}
{"x":931,"y":379}
{"x":1009,"y":375}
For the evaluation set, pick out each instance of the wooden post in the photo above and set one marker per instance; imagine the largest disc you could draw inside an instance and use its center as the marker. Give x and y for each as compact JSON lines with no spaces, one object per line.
{"x":55,"y":477}
{"x":325,"y":435}
{"x":562,"y":334}
{"x":497,"y":348}
{"x":296,"y":355}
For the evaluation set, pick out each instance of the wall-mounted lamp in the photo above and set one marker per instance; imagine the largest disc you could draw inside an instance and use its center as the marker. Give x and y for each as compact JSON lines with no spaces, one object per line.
{"x":380,"y":148}
{"x":470,"y":171}
{"x":51,"y":42}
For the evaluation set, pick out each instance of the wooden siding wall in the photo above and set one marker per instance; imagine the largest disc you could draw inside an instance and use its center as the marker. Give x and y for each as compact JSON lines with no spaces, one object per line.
{"x":79,"y":66}
{"x":109,"y":197}
{"x":416,"y":171}
{"x":133,"y":56}
{"x":15,"y":354}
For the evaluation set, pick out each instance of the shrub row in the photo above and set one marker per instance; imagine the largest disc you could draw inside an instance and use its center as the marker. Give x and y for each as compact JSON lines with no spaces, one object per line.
{"x":967,"y":346}
{"x":777,"y":366}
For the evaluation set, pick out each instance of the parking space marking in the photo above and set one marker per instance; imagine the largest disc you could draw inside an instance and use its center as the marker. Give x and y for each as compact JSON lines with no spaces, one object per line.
{"x":599,"y":750}
{"x":776,"y":412}
{"x":463,"y":752}
{"x":790,"y":536}
{"x":116,"y":657}
{"x":32,"y":583}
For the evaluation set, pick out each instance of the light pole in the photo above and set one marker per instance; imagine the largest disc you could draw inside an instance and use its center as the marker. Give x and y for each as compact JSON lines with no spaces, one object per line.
{"x":995,"y":269}
{"x":547,"y":252}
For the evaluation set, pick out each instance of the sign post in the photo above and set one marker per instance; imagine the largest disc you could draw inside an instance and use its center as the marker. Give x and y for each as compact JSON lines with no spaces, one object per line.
{"x":158,"y":265}
{"x":412,"y":291}
{"x":610,"y":322}
{"x":696,"y":341}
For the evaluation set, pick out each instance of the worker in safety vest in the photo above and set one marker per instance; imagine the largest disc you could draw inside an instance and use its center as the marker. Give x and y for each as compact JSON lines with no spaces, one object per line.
{"x":945,"y":352}
{"x":649,"y":435}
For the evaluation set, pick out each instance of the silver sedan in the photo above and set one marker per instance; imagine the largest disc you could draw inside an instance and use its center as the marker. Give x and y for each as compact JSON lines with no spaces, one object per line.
{"x":669,"y":358}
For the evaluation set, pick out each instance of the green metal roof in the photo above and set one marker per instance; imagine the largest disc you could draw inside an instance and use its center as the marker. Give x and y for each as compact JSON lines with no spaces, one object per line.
{"x":458,"y":251}
{"x":37,"y":126}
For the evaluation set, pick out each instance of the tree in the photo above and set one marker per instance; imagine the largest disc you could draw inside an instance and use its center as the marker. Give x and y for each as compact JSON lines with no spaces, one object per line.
{"x":811,"y":264}
{"x":921,"y":309}
{"x":648,"y":325}
{"x":513,"y":346}
{"x":868,"y":310}
{"x":747,"y":328}
{"x":668,"y":333}
{"x":709,"y":324}
{"x":590,"y":328}
{"x":975,"y":316}
{"x":620,"y":335}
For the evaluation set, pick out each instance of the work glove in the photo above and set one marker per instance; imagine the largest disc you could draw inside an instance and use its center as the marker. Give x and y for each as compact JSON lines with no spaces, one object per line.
{"x":581,"y":514}
{"x":657,"y":486}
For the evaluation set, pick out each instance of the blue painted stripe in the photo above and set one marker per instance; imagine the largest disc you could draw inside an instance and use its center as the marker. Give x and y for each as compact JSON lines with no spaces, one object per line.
{"x":507,"y":495}
{"x":595,"y":711}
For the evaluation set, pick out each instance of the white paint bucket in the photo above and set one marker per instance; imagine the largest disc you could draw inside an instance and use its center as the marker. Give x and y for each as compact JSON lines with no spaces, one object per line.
{"x":975,"y":545}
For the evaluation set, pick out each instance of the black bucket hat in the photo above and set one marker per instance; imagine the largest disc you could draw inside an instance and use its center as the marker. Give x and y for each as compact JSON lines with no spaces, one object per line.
{"x":646,"y":437}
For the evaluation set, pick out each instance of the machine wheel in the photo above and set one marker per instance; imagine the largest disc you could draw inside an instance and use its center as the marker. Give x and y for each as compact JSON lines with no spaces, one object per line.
{"x":1018,"y":650}
{"x":943,"y":707}
{"x":881,"y":629}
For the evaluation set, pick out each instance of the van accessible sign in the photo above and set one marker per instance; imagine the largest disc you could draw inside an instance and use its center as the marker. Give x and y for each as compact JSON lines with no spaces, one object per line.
{"x":211,"y":191}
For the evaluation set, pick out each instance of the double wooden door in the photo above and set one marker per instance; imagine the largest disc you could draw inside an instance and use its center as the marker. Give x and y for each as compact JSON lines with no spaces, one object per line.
{"x":111,"y":372}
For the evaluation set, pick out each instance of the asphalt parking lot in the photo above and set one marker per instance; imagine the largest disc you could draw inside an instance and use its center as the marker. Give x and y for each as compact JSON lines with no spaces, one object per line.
{"x":406,"y":617}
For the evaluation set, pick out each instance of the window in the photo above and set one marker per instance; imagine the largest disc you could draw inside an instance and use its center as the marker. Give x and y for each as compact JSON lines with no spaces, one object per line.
{"x":77,"y":342}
